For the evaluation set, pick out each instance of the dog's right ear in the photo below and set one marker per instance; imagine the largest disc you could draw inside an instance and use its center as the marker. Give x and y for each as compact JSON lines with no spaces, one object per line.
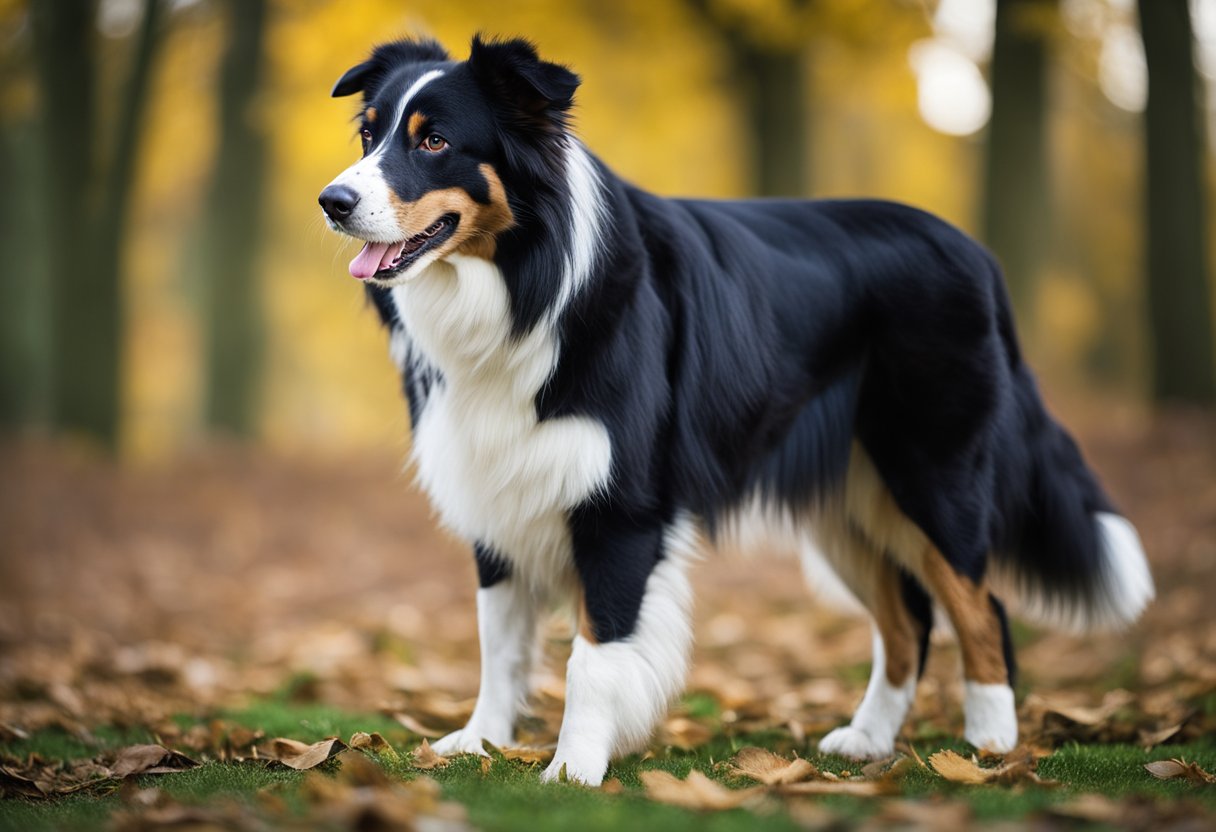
{"x":353,"y":80}
{"x":366,"y":76}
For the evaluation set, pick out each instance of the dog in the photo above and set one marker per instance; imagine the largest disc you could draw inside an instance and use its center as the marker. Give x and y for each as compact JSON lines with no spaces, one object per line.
{"x":597,"y":377}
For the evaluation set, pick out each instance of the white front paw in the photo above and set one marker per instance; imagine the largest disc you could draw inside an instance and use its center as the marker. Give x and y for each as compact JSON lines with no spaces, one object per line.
{"x":589,"y":771}
{"x":465,"y":741}
{"x":855,"y":744}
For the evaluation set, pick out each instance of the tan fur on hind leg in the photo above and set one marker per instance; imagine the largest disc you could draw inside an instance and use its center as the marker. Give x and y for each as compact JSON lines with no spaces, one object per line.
{"x":990,"y":713}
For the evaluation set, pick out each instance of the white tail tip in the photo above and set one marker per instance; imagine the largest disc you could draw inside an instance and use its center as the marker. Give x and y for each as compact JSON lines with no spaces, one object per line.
{"x":1125,"y":586}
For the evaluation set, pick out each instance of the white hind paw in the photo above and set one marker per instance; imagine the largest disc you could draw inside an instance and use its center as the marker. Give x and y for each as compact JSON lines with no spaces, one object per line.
{"x":991,"y":717}
{"x":855,"y":744}
{"x":464,"y":741}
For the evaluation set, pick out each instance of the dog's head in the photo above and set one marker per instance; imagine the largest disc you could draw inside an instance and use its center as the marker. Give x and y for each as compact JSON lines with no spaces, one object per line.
{"x":443,"y":142}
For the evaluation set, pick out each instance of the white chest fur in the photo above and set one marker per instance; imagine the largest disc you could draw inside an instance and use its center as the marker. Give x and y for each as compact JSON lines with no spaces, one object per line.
{"x":493,"y":471}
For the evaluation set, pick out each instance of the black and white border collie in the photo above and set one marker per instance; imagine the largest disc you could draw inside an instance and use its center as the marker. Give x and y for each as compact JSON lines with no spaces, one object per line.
{"x":598,"y":376}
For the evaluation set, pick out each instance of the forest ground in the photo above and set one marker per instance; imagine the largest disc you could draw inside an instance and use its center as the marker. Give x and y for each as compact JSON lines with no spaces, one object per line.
{"x":239,"y":598}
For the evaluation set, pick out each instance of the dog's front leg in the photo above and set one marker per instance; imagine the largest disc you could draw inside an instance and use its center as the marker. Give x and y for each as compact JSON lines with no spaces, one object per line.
{"x":506,"y":627}
{"x":631,"y":653}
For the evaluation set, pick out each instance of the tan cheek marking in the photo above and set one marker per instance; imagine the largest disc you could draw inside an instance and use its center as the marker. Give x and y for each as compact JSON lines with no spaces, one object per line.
{"x":370,"y":115}
{"x":414,"y":125}
{"x":490,"y":220}
{"x":414,"y":217}
{"x":479,"y":223}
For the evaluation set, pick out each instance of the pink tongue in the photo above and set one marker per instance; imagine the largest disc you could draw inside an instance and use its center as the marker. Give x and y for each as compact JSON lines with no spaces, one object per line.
{"x":368,"y":261}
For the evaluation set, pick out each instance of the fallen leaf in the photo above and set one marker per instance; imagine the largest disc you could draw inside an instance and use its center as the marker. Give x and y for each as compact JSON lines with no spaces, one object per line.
{"x":926,"y":814}
{"x":695,"y":792}
{"x":769,"y":768}
{"x":533,"y":756}
{"x":853,"y":788}
{"x":9,"y":733}
{"x":372,"y":742}
{"x":415,"y":727}
{"x":149,"y":759}
{"x":613,"y":786}
{"x":1151,"y":739}
{"x":1091,"y":807}
{"x":1180,"y":769}
{"x":684,"y":733}
{"x":302,"y":756}
{"x":425,"y":758}
{"x":1018,"y":766}
{"x":958,"y":769}
{"x":15,"y":784}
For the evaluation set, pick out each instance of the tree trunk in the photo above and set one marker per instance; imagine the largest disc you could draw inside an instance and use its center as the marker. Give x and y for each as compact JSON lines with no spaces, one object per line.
{"x":1179,"y":299}
{"x":232,"y":231}
{"x":771,"y":80}
{"x":84,"y":326}
{"x":1016,"y":218}
{"x":776,"y":108}
{"x":24,"y":329}
{"x":88,"y":208}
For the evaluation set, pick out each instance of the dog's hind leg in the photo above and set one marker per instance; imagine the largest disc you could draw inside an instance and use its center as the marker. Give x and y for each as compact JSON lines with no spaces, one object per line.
{"x":902,"y":618}
{"x":506,"y":626}
{"x":988,"y":664}
{"x":631,"y":653}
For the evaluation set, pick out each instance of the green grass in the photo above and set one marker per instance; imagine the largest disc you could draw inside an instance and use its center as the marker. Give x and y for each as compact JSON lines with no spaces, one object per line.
{"x":509,"y":795}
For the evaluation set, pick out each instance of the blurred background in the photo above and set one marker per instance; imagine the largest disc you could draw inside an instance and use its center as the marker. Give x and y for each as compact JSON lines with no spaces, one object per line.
{"x":166,"y":276}
{"x":202,"y":496}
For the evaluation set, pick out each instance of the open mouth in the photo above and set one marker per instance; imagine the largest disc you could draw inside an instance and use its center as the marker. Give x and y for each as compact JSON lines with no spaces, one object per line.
{"x":382,"y":260}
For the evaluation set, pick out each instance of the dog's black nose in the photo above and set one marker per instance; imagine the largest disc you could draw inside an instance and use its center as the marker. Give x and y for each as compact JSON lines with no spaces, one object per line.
{"x":338,"y":201}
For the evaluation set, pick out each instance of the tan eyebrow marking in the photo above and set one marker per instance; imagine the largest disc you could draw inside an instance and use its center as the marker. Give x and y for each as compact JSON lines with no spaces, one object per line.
{"x":370,"y":115}
{"x":414,"y":125}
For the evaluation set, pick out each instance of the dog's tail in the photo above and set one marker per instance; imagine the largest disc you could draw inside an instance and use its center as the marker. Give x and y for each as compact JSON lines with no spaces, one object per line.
{"x":1076,"y":563}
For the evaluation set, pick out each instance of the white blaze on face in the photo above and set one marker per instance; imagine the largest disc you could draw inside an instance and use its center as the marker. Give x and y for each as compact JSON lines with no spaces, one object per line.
{"x":374,"y":218}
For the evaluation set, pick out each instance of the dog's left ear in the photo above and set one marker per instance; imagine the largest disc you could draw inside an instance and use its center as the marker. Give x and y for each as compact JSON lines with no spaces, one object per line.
{"x":532,"y":92}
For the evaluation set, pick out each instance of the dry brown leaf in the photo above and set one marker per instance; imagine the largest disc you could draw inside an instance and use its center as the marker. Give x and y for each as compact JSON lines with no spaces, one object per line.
{"x":486,"y":763}
{"x":875,"y":768}
{"x":240,"y":737}
{"x":179,"y":816}
{"x":372,"y":742}
{"x":695,"y":792}
{"x":15,"y":784}
{"x":425,"y":757}
{"x":415,"y":727}
{"x":613,"y":786}
{"x":149,"y":759}
{"x":958,"y":769}
{"x":1180,"y":769}
{"x":11,"y":733}
{"x":1151,"y":739}
{"x":532,"y":756}
{"x":769,"y":768}
{"x":1091,"y":807}
{"x":1018,"y":767}
{"x":925,"y":814}
{"x":853,"y":788}
{"x":302,"y":756}
{"x":684,"y":733}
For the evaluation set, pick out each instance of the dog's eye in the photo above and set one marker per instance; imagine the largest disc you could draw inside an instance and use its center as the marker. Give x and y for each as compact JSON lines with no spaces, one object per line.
{"x":366,"y":135}
{"x":434,"y":143}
